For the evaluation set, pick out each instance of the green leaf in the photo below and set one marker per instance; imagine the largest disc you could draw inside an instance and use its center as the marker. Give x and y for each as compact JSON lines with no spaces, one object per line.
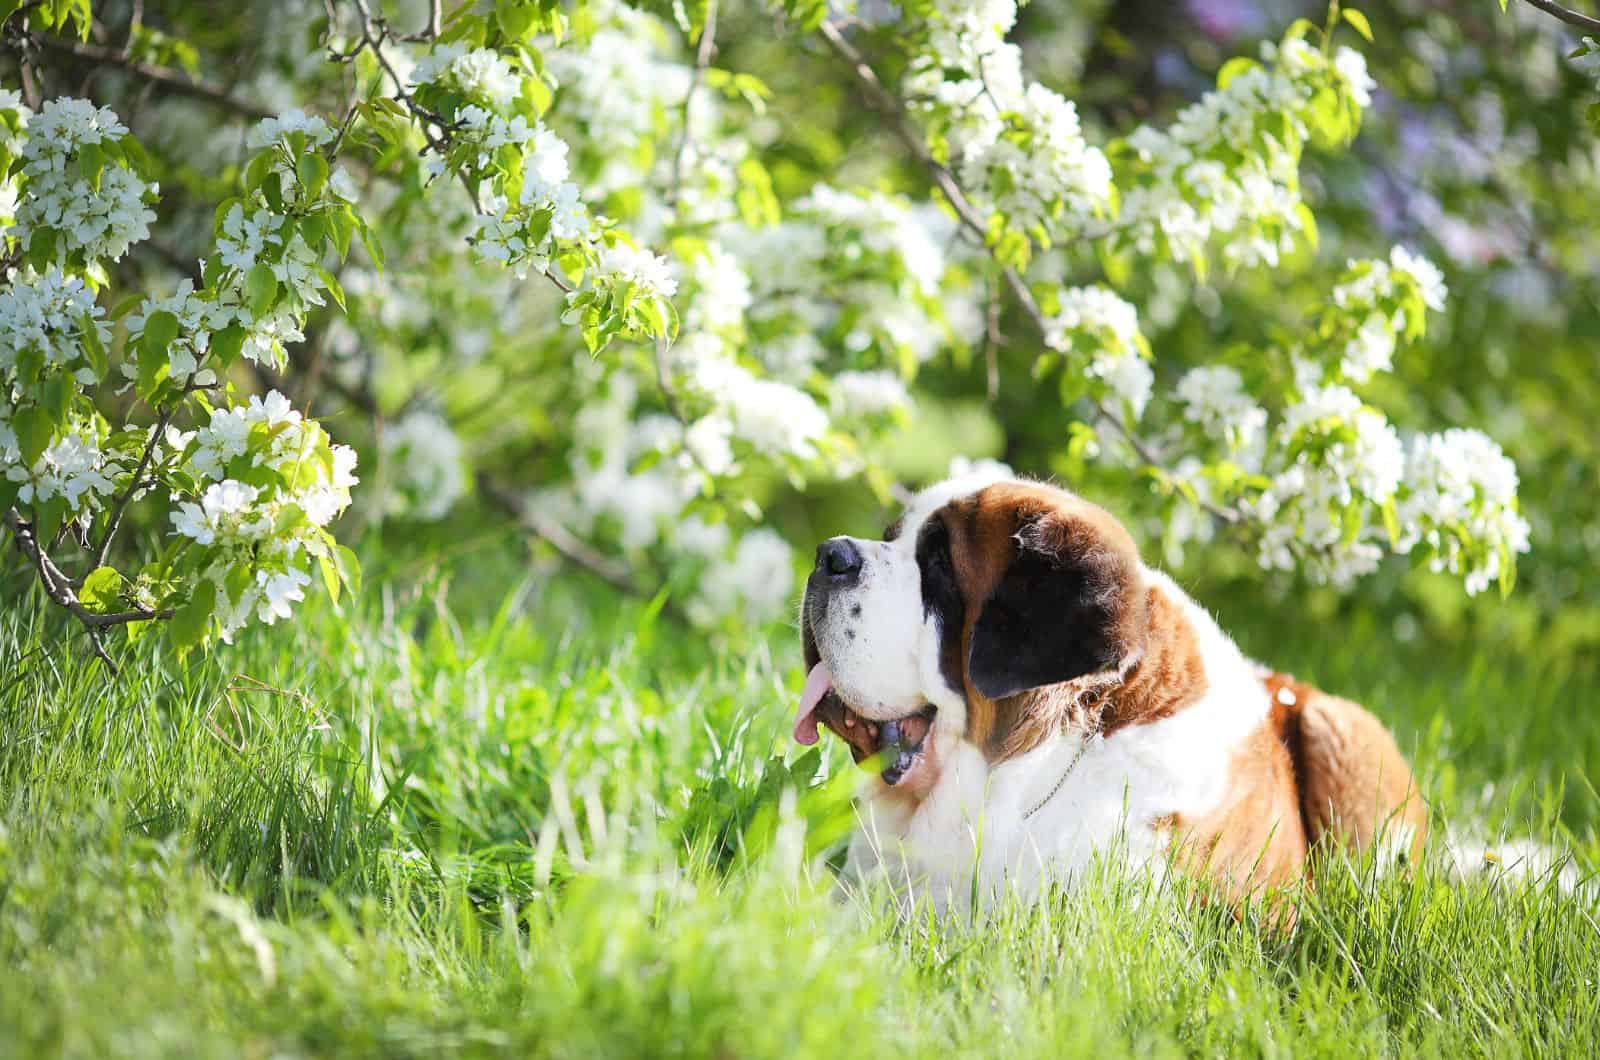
{"x":101,"y":591}
{"x":330,"y":576}
{"x":191,"y":622}
{"x":342,"y":224}
{"x":160,"y":328}
{"x":1391,"y":522}
{"x":227,"y":343}
{"x":335,"y":288}
{"x":261,"y":288}
{"x":55,"y":397}
{"x":34,"y":430}
{"x":312,"y":170}
{"x":370,"y":241}
{"x":257,"y":172}
{"x":91,"y":162}
{"x":236,"y":581}
{"x":1362,"y":26}
{"x":93,"y":346}
{"x":350,"y":567}
{"x":1233,"y":68}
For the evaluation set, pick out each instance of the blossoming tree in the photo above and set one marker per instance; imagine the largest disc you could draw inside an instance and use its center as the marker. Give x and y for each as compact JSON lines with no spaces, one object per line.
{"x":567,"y":259}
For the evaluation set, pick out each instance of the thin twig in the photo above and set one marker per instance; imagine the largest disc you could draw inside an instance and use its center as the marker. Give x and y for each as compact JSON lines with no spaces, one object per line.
{"x":560,"y":538}
{"x":120,"y":505}
{"x":374,"y":34}
{"x":992,"y":340}
{"x":702,"y":60}
{"x":59,"y":588}
{"x":887,"y":104}
{"x":435,"y":25}
{"x":1567,"y":15}
{"x":165,"y":76}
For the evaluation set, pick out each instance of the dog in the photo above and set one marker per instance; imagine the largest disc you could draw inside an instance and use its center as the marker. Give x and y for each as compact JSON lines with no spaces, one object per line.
{"x":1034,"y":695}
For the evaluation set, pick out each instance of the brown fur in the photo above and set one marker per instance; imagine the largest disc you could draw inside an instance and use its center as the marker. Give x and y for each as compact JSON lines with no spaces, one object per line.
{"x":1353,"y":782}
{"x":1163,"y":672}
{"x":1256,"y":837}
{"x":1318,"y":769}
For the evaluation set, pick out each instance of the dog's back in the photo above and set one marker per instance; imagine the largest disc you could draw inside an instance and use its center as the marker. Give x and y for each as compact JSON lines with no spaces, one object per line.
{"x":1355,"y":786}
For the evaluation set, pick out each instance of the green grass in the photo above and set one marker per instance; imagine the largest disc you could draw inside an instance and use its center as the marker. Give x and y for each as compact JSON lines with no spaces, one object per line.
{"x":550,"y":827}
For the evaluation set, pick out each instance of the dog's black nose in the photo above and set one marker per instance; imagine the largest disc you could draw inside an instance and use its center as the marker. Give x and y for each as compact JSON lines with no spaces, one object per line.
{"x":839,"y":561}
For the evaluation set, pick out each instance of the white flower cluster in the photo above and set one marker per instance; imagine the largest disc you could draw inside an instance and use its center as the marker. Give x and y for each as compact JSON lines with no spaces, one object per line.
{"x":1340,"y":488}
{"x":423,"y":474}
{"x":277,"y":130}
{"x":74,"y":468}
{"x":1228,"y":166}
{"x":751,"y":579}
{"x":272,"y":482}
{"x":860,"y":272}
{"x":1095,"y":320}
{"x":1214,"y":397}
{"x":98,"y":216}
{"x":506,"y":232}
{"x":480,"y":73}
{"x":617,"y":87}
{"x":48,"y":315}
{"x":1019,"y":147}
{"x":1460,"y":502}
{"x":1390,"y":299}
{"x":649,"y":275}
{"x":1346,"y":457}
{"x":774,"y":418}
{"x":868,"y":394}
{"x":721,"y":292}
{"x":754,"y":583}
{"x":903,"y":236}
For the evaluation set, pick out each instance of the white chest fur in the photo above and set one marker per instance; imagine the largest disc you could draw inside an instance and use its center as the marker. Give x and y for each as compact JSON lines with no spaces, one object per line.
{"x":976,"y":821}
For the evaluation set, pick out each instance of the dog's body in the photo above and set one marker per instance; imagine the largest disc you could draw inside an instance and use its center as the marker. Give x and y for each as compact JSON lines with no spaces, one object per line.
{"x":1041,"y":696}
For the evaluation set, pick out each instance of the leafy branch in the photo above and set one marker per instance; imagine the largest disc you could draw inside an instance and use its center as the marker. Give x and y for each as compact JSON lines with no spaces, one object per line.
{"x":900,"y":123}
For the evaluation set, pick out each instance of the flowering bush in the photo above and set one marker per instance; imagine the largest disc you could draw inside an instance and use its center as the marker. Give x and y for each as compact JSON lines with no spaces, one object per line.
{"x":568,"y":262}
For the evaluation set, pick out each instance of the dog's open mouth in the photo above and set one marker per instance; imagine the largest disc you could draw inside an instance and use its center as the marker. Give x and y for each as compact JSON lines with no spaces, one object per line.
{"x":899,"y":741}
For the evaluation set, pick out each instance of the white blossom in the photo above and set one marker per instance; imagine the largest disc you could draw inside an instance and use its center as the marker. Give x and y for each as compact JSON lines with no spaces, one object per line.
{"x":480,"y":73}
{"x":424,"y":461}
{"x":277,"y":130}
{"x":47,"y":314}
{"x":74,"y":469}
{"x":650,"y":274}
{"x":755,"y":584}
{"x":867,"y":393}
{"x":102,"y":221}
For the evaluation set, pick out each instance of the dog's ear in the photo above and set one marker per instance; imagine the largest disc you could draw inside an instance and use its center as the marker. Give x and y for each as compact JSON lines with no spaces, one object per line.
{"x":1058,"y":612}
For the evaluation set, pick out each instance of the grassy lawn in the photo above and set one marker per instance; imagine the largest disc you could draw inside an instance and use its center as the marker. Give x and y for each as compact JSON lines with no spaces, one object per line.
{"x":517,"y":822}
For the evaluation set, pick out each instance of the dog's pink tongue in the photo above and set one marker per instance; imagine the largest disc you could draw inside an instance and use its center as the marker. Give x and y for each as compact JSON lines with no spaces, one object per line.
{"x":818,"y":682}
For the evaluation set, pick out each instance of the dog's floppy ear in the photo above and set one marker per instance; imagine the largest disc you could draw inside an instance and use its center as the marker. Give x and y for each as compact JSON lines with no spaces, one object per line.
{"x":1055,"y":614}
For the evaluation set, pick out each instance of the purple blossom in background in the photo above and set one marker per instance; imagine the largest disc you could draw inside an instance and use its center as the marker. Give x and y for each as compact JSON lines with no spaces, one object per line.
{"x":1223,"y":20}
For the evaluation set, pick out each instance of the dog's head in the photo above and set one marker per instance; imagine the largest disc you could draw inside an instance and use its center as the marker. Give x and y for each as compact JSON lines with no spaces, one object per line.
{"x":990,"y":611}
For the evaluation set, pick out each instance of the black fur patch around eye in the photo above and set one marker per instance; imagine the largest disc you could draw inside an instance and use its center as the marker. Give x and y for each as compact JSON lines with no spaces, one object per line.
{"x":1049,"y":620}
{"x":941,"y":598}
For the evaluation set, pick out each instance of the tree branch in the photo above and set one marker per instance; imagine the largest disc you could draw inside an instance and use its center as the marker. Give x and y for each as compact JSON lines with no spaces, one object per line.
{"x":1567,"y":15}
{"x":560,"y":538}
{"x":374,"y":34}
{"x":59,"y":588}
{"x":708,"y":37}
{"x":173,"y":80}
{"x":887,"y":104}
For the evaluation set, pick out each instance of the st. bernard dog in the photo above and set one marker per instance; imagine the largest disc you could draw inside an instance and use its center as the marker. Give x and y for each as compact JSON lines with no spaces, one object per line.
{"x":1034,"y":694}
